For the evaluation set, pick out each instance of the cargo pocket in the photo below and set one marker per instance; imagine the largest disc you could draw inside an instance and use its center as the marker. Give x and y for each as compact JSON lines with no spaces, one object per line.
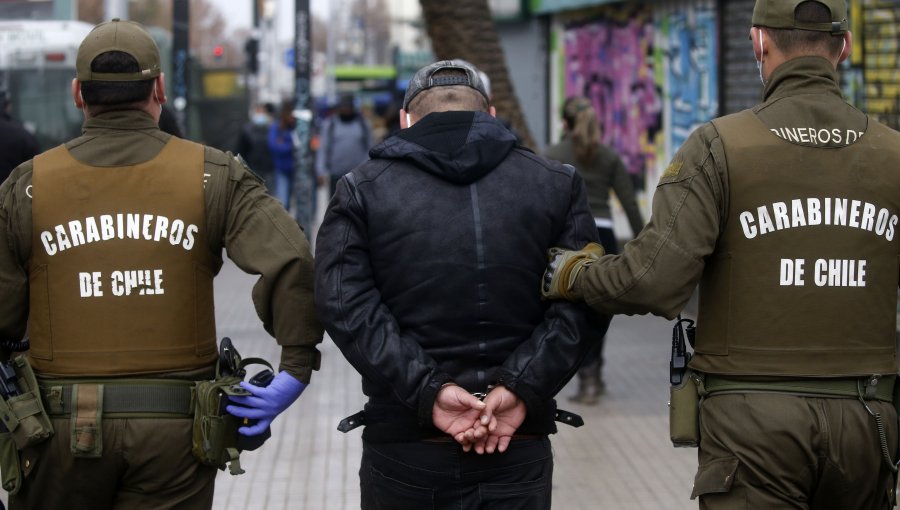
{"x":394,"y":494}
{"x":715,"y":477}
{"x":10,"y":470}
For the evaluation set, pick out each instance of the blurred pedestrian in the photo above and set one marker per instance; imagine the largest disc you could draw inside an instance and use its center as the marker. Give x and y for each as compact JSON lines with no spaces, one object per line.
{"x":17,"y":145}
{"x":786,"y":216}
{"x":424,"y":263}
{"x":602,"y":170}
{"x":283,"y":147}
{"x":253,"y":143}
{"x":344,"y":142}
{"x":119,"y":234}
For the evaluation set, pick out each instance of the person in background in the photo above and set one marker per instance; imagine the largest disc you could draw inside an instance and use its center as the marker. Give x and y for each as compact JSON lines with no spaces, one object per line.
{"x":253,"y":143}
{"x":16,"y":143}
{"x":108,"y":250}
{"x":283,"y":149}
{"x":602,"y":170}
{"x":793,"y":241}
{"x":344,"y":142}
{"x":168,"y":123}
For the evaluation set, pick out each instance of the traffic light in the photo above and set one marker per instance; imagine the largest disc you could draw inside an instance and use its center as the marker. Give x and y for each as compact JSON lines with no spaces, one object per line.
{"x":218,"y":51}
{"x":251,"y":48}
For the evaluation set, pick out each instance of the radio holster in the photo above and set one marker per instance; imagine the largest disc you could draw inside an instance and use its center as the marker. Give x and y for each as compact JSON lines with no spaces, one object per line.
{"x":685,"y":390}
{"x":215,"y":438}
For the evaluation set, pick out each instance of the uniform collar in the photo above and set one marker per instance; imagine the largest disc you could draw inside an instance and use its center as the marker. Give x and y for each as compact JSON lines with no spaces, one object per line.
{"x":806,"y":75}
{"x":131,"y":120}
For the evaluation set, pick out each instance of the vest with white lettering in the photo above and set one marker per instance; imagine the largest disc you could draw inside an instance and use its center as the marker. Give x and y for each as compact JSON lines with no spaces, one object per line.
{"x":121,"y":277}
{"x":803,"y":281}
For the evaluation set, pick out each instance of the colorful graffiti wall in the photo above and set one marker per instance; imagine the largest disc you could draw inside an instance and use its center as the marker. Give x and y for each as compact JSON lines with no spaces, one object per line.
{"x":650,"y":72}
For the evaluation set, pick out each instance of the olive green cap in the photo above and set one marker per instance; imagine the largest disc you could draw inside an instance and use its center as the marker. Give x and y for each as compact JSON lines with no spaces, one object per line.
{"x":780,"y":14}
{"x":118,"y":35}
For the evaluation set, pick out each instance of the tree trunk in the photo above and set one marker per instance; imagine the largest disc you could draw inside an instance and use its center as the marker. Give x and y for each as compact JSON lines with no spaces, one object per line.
{"x":465,"y":29}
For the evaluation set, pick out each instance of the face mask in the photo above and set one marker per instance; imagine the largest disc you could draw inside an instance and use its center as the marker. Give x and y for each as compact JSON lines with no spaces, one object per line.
{"x":157,"y":100}
{"x":260,"y":119}
{"x":759,"y":62}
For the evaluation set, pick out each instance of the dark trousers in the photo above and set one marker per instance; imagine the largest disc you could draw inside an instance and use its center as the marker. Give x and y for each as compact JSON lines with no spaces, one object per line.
{"x":425,"y":475}
{"x":146,"y":465}
{"x":784,"y":452}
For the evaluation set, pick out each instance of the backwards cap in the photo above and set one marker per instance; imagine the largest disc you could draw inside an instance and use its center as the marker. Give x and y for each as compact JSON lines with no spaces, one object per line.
{"x":780,"y":14}
{"x":118,"y":35}
{"x":424,"y":79}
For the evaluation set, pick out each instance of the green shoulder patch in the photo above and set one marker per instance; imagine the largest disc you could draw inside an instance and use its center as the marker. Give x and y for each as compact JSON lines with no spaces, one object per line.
{"x":673,"y":168}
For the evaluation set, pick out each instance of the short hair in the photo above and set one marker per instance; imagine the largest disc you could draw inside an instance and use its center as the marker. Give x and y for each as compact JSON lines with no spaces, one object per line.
{"x":448,"y":97}
{"x":103,"y":96}
{"x":797,"y":42}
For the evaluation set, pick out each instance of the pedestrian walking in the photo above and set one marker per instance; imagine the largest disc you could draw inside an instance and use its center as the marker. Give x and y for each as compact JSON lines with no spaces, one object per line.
{"x":253,"y":143}
{"x":109,"y":249}
{"x":423,"y":264}
{"x":344,"y":142}
{"x":602,"y":170}
{"x":17,"y":145}
{"x":786,"y":216}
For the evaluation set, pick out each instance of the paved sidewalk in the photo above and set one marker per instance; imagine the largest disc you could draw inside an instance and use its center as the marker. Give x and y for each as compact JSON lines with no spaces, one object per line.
{"x":620,"y":460}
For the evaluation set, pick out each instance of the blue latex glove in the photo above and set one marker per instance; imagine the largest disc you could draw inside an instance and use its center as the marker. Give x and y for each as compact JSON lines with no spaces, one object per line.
{"x":265,"y":403}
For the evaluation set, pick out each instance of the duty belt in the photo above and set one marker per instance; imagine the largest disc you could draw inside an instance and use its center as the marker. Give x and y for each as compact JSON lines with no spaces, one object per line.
{"x":873,"y":387}
{"x":124,"y":398}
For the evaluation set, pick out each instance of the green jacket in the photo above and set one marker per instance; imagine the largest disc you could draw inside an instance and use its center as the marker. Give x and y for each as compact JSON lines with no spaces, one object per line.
{"x":254,"y":229}
{"x":658,"y":271}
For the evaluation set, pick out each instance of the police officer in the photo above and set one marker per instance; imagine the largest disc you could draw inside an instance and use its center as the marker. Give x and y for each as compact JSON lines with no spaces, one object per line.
{"x":107,"y":255}
{"x":786,"y":214}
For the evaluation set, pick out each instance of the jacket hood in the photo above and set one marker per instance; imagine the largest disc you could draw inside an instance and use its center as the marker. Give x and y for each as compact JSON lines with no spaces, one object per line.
{"x":459,"y":147}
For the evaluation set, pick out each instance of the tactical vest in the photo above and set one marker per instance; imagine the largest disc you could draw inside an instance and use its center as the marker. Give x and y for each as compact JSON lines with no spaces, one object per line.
{"x":121,"y":276}
{"x":803,"y":281}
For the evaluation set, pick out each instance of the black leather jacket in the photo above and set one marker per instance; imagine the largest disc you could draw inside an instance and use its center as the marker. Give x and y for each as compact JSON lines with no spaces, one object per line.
{"x":428,"y":268}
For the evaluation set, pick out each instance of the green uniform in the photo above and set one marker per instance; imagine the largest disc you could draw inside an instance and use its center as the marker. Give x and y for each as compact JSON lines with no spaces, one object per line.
{"x":786,"y":216}
{"x":150,"y":458}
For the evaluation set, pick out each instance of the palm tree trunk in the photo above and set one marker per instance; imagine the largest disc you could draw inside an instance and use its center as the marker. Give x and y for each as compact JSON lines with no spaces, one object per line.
{"x":465,"y":29}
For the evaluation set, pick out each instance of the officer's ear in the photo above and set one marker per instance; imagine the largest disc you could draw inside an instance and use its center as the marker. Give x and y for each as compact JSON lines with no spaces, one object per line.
{"x":76,"y":94}
{"x":160,"y":88}
{"x":846,"y":48}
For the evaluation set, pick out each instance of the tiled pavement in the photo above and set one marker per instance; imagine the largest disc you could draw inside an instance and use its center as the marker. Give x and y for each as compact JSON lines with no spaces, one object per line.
{"x":620,"y":460}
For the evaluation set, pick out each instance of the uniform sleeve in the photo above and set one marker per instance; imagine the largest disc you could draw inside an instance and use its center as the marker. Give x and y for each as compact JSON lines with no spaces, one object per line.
{"x":542,"y":365}
{"x":14,"y":205}
{"x":624,"y":189}
{"x":262,"y":239}
{"x":658,"y":271}
{"x":355,"y":316}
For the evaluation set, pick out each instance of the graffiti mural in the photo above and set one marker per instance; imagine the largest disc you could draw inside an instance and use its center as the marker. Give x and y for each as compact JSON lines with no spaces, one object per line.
{"x":608,"y":59}
{"x":686,"y":46}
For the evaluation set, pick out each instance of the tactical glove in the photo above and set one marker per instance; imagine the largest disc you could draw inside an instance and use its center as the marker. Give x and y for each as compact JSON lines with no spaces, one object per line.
{"x":265,"y":403}
{"x":564,"y":268}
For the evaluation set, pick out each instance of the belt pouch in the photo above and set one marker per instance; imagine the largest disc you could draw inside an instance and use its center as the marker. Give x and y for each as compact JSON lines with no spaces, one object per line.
{"x":24,"y":414}
{"x":215,"y":430}
{"x":684,"y":412}
{"x":87,"y":413}
{"x":10,"y":471}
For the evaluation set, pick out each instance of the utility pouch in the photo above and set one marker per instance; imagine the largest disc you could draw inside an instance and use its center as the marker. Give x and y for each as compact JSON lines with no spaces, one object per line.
{"x":684,"y":412}
{"x":21,"y":408}
{"x":10,"y":470}
{"x":684,"y":396}
{"x":215,"y":434}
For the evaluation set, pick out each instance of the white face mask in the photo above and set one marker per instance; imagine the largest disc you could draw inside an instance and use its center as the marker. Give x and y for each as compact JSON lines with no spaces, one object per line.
{"x":759,"y":62}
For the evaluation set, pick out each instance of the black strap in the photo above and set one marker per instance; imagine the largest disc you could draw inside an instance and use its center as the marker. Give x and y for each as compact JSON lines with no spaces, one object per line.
{"x":569,"y":418}
{"x":351,"y":422}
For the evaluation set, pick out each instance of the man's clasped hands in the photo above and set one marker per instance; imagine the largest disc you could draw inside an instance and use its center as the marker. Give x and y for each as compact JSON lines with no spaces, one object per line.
{"x":486,"y":425}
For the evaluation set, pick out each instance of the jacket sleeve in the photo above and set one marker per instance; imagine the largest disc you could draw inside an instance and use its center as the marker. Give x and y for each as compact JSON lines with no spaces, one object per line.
{"x":541,"y":366}
{"x":658,"y":271}
{"x":354,"y":315}
{"x":15,"y":206}
{"x":262,"y":239}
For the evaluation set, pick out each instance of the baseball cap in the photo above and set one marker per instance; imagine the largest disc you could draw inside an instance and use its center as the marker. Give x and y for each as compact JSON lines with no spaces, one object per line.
{"x":118,"y":35}
{"x":780,"y":14}
{"x":425,"y":79}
